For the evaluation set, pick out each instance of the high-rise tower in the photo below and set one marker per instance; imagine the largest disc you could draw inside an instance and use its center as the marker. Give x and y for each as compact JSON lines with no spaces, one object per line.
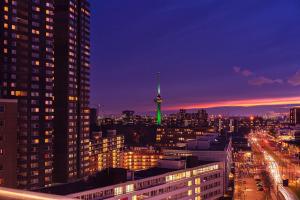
{"x":158,"y":100}
{"x":27,"y":74}
{"x":71,"y":89}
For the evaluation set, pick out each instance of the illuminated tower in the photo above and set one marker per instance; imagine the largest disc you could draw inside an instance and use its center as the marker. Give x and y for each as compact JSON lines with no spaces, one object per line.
{"x":158,"y":101}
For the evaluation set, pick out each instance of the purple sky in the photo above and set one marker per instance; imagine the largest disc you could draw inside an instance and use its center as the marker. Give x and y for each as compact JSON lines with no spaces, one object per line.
{"x":206,"y":50}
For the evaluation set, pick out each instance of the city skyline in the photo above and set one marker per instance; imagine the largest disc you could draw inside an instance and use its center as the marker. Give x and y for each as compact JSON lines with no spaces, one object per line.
{"x":209,"y":54}
{"x":162,"y":100}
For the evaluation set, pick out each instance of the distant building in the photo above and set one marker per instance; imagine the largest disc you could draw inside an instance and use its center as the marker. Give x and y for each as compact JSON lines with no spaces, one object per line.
{"x":8,"y":142}
{"x":295,"y":116}
{"x":171,"y":137}
{"x":197,"y":119}
{"x":128,"y":116}
{"x":93,"y":116}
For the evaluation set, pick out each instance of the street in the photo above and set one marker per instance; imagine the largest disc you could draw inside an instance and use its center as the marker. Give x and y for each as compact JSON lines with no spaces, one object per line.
{"x":278,"y":166}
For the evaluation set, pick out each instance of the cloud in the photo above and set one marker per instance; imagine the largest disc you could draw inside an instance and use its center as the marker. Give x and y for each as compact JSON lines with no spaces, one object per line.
{"x":243,"y":72}
{"x":247,"y":73}
{"x":236,"y":69}
{"x":269,"y":101}
{"x":262,"y":80}
{"x":295,"y":79}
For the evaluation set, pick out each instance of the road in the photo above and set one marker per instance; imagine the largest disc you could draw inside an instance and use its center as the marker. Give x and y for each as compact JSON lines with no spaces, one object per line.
{"x":272,"y":161}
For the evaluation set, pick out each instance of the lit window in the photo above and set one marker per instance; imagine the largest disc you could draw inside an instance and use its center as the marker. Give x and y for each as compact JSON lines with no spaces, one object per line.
{"x":197,"y":181}
{"x":118,"y":191}
{"x":129,"y":188}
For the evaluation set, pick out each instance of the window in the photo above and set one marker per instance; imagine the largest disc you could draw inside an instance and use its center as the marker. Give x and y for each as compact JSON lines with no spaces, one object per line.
{"x":129,"y":188}
{"x":2,"y":109}
{"x":197,"y":190}
{"x":197,"y":181}
{"x":118,"y":191}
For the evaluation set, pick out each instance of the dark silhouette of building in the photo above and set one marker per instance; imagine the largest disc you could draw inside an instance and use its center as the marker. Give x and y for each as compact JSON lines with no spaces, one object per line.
{"x":72,"y":53}
{"x":8,"y":142}
{"x":27,"y":74}
{"x":295,"y":116}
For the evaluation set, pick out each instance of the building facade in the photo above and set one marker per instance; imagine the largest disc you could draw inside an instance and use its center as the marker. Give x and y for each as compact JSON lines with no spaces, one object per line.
{"x":8,"y":142}
{"x":72,"y":53}
{"x":203,"y":148}
{"x":106,"y":152}
{"x":294,"y":116}
{"x":140,"y":158}
{"x":27,"y":74}
{"x":174,"y":136}
{"x":204,"y":181}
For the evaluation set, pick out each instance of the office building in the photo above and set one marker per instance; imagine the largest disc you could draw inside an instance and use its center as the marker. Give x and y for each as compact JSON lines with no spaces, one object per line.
{"x":27,"y":74}
{"x":71,"y":122}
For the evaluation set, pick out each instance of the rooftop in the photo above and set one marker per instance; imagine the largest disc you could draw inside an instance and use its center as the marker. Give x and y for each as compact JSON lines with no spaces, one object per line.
{"x":218,"y":144}
{"x":156,"y":171}
{"x":111,"y":177}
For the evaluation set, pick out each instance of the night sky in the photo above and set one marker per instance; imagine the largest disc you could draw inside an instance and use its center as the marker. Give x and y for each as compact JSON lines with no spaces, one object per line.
{"x":210,"y":53}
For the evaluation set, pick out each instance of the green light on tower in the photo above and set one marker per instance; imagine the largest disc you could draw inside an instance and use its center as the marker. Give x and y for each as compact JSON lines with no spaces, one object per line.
{"x":158,"y":101}
{"x":158,"y":114}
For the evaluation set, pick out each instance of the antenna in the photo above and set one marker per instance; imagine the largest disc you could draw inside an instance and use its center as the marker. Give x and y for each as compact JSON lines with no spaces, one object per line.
{"x":158,"y":83}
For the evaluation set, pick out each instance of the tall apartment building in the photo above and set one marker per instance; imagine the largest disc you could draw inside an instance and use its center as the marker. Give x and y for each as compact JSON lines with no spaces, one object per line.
{"x":72,"y":50}
{"x":45,"y":43}
{"x":26,"y":74}
{"x":106,"y":152}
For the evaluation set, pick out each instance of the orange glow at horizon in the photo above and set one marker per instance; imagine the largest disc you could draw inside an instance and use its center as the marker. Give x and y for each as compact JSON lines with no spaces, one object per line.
{"x":240,"y":103}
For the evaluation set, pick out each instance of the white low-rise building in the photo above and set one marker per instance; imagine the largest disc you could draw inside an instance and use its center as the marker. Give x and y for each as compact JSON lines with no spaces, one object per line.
{"x":205,"y":180}
{"x":209,"y":149}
